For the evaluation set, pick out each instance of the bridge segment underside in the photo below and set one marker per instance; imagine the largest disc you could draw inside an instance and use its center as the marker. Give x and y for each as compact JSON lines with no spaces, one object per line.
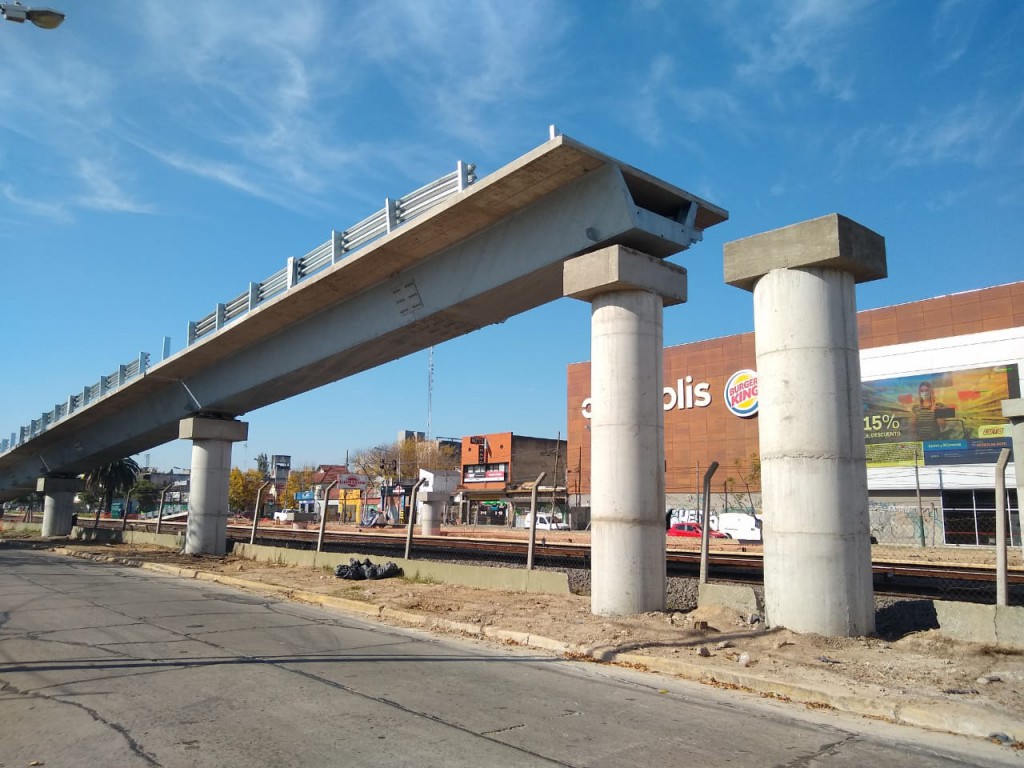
{"x":491,"y":252}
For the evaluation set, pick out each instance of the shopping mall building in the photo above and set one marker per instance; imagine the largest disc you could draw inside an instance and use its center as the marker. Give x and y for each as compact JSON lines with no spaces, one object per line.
{"x":933,"y":375}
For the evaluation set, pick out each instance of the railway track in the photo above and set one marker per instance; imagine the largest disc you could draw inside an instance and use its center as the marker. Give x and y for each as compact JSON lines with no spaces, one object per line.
{"x":891,"y":577}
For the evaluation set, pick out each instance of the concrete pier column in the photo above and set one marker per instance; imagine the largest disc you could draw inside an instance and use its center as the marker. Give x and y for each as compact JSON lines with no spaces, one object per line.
{"x":627,"y":291}
{"x":1014,"y":411}
{"x":58,"y":503}
{"x":206,"y":532}
{"x":817,"y":541}
{"x":431,"y":507}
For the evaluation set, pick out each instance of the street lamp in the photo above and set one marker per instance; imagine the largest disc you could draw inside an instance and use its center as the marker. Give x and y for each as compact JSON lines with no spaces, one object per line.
{"x":44,"y":18}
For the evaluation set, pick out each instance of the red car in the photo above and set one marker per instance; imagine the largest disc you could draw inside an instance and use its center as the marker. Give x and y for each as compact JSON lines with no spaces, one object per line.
{"x":693,"y":531}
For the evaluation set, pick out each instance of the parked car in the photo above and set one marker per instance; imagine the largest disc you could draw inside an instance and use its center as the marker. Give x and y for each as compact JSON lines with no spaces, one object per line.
{"x":693,"y":531}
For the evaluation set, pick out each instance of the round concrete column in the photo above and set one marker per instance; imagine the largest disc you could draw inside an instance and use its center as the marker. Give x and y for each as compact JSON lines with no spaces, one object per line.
{"x":206,"y":532}
{"x":628,"y":291}
{"x":817,"y":548}
{"x":58,"y":503}
{"x":431,"y":506}
{"x":817,"y":541}
{"x":627,"y":455}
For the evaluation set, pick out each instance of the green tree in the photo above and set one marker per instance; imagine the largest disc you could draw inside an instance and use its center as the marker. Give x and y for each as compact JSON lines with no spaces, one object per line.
{"x":147,"y":495}
{"x":298,"y":480}
{"x":242,"y":490}
{"x":88,"y":499}
{"x":108,"y":480}
{"x":263,"y":465}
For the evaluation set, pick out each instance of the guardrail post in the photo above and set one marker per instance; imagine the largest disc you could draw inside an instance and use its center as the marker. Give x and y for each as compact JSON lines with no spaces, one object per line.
{"x":218,"y":314}
{"x":466,"y":173}
{"x":339,"y":245}
{"x":254,"y":295}
{"x":191,"y":334}
{"x":292,"y":270}
{"x":390,"y":214}
{"x":122,"y":375}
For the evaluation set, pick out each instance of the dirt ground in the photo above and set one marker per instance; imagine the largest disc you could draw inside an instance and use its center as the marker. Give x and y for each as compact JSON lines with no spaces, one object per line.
{"x":921,"y":666}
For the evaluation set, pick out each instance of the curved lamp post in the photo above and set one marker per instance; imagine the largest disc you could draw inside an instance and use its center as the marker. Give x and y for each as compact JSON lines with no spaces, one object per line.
{"x":44,"y":18}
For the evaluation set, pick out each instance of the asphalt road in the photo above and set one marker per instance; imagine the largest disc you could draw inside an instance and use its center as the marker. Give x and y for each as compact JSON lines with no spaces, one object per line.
{"x":117,"y":667}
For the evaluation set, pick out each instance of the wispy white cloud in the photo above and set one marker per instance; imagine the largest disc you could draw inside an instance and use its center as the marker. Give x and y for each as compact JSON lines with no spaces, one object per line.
{"x":793,"y":36}
{"x":255,"y":89}
{"x":953,"y":30}
{"x":103,"y":190}
{"x":976,"y":133}
{"x":43,"y":209}
{"x":463,"y":65}
{"x":662,"y":100}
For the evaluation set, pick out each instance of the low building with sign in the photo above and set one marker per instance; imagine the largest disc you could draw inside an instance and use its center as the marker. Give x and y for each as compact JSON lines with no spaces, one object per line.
{"x":498,"y":472}
{"x":344,"y":491}
{"x":934,"y":373}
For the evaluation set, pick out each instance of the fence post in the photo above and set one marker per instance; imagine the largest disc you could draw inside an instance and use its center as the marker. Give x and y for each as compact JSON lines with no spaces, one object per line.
{"x":1001,"y":462}
{"x":533,"y":521}
{"x":705,"y":531}
{"x":412,"y":516}
{"x":256,"y":514}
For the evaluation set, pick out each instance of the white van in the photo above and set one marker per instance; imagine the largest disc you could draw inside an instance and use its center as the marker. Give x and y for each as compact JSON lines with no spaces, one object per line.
{"x":546,"y":523}
{"x":740,"y":525}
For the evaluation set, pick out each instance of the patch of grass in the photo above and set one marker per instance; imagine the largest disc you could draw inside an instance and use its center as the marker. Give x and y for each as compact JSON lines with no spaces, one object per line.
{"x":17,"y":534}
{"x":418,"y":579}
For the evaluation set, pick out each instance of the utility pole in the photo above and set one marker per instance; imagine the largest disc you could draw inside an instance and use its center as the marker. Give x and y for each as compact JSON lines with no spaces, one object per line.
{"x":430,"y":390}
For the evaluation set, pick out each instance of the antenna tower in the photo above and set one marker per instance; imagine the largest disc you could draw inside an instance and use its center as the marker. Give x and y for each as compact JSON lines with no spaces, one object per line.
{"x":430,"y":389}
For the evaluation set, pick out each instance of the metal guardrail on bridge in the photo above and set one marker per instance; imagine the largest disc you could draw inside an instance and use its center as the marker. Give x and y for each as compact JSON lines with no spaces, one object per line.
{"x":392,"y":215}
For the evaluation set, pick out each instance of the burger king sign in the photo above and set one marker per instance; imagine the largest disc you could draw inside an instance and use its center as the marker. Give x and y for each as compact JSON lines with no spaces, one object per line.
{"x":741,"y":393}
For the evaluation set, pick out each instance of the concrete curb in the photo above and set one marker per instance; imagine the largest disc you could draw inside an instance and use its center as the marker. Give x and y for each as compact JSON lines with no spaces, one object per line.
{"x":951,"y":717}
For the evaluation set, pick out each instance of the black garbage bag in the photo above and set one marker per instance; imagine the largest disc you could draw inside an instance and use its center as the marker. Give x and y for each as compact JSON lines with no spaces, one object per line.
{"x":357,"y":571}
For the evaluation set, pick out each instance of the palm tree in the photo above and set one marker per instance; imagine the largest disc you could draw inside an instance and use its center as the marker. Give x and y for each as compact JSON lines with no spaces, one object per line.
{"x":105,"y":481}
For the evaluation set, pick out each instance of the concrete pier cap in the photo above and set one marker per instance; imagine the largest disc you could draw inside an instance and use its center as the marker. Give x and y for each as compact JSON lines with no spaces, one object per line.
{"x":618,"y":268}
{"x":817,"y":549}
{"x":207,"y":428}
{"x":828,"y":242}
{"x":59,"y":484}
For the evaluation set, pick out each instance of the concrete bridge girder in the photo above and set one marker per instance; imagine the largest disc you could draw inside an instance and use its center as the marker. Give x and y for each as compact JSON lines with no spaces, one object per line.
{"x":491,"y":252}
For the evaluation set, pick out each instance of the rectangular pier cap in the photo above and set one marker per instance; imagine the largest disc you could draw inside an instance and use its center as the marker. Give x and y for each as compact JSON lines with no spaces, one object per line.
{"x":618,"y":268}
{"x":831,"y":242}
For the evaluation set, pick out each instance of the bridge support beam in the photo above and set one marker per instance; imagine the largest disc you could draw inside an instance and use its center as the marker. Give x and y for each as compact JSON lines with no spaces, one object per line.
{"x":206,"y":532}
{"x":817,"y":541}
{"x":58,"y":503}
{"x":627,"y":291}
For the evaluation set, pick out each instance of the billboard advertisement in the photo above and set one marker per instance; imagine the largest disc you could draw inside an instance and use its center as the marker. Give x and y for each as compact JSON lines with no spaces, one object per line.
{"x":939,"y":418}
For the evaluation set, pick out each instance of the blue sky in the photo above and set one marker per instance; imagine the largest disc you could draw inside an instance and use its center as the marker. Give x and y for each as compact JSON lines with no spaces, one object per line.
{"x":156,"y":157}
